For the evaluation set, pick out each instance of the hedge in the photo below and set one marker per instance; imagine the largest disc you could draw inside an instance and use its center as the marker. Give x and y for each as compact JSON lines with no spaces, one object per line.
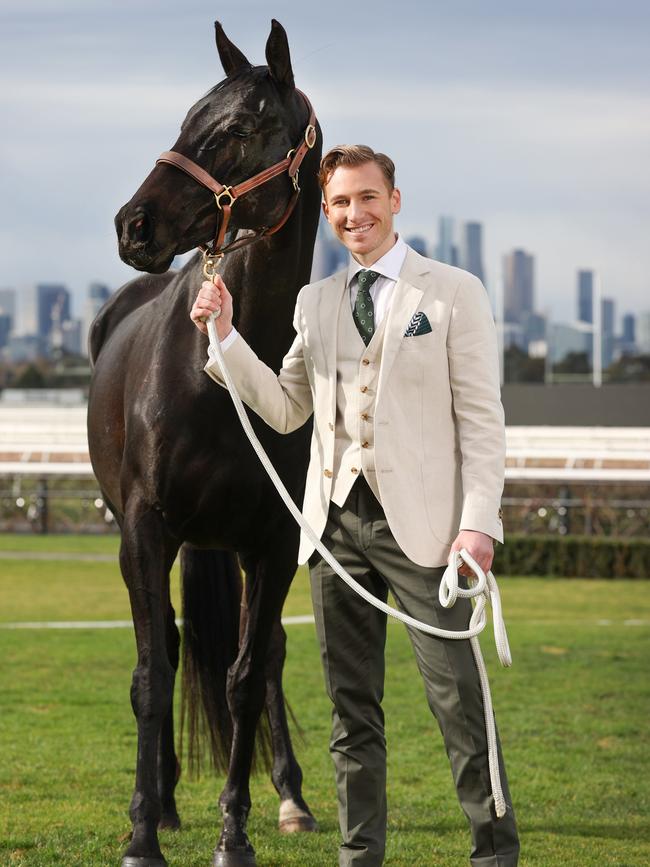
{"x":573,"y":556}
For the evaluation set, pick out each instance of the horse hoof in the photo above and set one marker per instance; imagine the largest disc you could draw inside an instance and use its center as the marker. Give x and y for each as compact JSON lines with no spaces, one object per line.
{"x":300,"y":823}
{"x":234,"y":858}
{"x":134,"y":861}
{"x":294,"y":818}
{"x":169,"y":822}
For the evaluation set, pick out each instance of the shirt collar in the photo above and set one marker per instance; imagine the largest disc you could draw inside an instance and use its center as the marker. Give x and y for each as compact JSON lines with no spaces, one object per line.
{"x":389,"y":265}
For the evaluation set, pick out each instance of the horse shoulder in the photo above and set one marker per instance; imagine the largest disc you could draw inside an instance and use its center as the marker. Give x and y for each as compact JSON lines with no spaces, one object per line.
{"x":128,"y":298}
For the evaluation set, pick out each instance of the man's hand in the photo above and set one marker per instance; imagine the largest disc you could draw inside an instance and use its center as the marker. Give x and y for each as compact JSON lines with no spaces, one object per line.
{"x":479,"y":545}
{"x":213,"y":298}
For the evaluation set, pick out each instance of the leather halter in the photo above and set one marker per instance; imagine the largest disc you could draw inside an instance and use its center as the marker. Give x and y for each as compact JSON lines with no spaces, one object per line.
{"x":225,"y":196}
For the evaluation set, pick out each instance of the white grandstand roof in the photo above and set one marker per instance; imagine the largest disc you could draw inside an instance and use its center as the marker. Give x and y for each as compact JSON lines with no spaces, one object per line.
{"x":51,"y":441}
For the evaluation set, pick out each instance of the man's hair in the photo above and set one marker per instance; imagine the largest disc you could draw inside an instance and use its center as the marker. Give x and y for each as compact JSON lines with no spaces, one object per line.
{"x":355,"y":155}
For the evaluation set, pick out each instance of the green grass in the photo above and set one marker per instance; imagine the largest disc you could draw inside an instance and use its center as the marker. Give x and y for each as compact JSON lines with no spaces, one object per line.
{"x":572,"y":712}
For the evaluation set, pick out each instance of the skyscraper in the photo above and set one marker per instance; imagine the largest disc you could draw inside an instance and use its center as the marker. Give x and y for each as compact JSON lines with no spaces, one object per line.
{"x":8,"y":303}
{"x":471,"y":249}
{"x":629,"y":328}
{"x":607,"y":330}
{"x":97,"y":295}
{"x":446,"y":251}
{"x":586,"y":296}
{"x":418,"y":243}
{"x":52,"y":305}
{"x":518,"y":285}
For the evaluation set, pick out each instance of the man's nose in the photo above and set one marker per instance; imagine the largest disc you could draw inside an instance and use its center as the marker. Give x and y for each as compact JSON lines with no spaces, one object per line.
{"x":355,"y":211}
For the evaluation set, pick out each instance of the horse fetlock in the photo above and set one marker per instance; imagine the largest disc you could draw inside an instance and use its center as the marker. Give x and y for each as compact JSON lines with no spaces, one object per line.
{"x":144,"y":846}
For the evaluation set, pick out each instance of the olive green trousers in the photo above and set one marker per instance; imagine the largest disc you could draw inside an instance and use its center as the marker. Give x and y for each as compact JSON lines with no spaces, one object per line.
{"x":352,"y":636}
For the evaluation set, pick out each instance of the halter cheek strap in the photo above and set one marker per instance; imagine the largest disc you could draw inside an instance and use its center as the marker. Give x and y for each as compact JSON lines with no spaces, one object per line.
{"x":226,"y":196}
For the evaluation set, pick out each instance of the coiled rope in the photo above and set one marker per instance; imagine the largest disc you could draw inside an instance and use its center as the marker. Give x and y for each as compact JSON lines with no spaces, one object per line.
{"x":484,"y":590}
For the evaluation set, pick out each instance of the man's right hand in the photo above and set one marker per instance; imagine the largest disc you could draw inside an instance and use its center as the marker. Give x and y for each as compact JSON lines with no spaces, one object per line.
{"x":213,"y":298}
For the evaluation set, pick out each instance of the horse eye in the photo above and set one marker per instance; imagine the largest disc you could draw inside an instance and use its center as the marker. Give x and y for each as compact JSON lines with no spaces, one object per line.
{"x":239,"y":132}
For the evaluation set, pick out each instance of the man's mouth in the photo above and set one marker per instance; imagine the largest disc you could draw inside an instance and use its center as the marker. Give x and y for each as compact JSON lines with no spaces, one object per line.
{"x":359,"y":230}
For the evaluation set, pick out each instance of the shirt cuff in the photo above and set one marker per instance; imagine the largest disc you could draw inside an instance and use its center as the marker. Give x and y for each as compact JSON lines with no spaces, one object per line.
{"x":225,"y":344}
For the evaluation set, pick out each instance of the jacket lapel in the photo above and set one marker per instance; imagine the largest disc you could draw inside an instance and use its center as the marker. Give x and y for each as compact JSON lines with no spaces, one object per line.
{"x":331,"y":298}
{"x":407,"y":295}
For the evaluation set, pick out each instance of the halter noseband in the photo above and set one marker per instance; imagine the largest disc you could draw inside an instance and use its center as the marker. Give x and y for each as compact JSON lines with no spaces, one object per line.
{"x":225,"y":196}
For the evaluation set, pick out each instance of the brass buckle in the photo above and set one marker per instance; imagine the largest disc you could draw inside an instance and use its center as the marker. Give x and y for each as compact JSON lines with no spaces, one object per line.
{"x":310,"y":136}
{"x":227,"y":191}
{"x":210,"y":261}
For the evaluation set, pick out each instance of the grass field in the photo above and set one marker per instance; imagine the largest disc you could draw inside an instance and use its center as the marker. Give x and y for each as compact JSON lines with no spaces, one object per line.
{"x":572,"y":711}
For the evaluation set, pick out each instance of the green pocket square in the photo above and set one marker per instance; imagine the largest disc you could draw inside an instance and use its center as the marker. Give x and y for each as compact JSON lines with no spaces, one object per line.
{"x":418,"y":325}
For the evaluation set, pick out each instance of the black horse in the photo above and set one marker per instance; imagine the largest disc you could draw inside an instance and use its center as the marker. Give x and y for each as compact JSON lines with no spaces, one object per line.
{"x":175,"y":466}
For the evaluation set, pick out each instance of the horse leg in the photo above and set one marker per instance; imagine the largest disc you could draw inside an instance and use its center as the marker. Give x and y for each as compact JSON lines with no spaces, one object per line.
{"x":295,"y":815}
{"x":267,"y":582}
{"x":146,"y":556}
{"x":169,"y":769}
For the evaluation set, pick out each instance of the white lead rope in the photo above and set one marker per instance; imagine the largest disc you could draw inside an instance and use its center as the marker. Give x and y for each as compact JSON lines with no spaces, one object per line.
{"x":483,"y":591}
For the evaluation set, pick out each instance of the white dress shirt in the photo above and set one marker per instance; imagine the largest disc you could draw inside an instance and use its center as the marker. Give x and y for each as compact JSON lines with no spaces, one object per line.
{"x":381,"y":291}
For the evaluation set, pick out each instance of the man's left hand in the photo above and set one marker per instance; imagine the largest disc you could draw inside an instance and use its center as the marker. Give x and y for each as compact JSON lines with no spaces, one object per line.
{"x":479,"y":545}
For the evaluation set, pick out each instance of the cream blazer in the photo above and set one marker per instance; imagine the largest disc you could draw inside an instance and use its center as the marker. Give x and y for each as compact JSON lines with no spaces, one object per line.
{"x":439,"y":436}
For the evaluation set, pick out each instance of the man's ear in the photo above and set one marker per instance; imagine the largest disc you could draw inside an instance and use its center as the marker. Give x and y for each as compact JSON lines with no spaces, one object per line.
{"x":395,"y":201}
{"x":325,"y":210}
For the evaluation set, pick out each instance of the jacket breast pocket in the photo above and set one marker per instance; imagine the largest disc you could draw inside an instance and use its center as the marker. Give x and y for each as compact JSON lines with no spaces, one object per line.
{"x":421,"y":342}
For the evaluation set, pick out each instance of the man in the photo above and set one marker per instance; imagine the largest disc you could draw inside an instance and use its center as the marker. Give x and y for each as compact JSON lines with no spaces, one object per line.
{"x":396,"y":356}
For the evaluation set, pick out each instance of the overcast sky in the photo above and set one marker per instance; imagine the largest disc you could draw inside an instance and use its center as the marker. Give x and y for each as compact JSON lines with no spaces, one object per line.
{"x":533,"y":118}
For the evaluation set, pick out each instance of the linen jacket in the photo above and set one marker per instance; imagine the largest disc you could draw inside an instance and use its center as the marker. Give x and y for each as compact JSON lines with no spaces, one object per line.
{"x":439,"y":436}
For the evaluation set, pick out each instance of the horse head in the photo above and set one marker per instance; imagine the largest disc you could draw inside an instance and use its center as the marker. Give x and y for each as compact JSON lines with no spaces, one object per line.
{"x":247,"y":122}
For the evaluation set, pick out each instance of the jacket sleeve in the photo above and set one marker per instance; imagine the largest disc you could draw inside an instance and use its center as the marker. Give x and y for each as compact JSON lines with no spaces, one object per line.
{"x":480,"y":429}
{"x":283,"y":400}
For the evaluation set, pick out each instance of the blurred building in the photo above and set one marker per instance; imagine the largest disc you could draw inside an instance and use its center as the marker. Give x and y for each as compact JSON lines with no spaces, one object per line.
{"x":97,"y":295}
{"x":585,"y":296}
{"x":418,"y":243}
{"x":643,"y":333}
{"x":518,"y":286}
{"x":446,"y":251}
{"x":6,"y":324}
{"x":608,"y":317}
{"x":471,"y":249}
{"x":564,"y":339}
{"x":8,"y":304}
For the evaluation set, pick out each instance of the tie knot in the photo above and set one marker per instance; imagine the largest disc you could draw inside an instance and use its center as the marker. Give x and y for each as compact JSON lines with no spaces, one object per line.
{"x":366,"y":278}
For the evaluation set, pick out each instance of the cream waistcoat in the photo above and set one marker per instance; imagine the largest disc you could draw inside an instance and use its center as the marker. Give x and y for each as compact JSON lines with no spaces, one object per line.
{"x":357,"y":367}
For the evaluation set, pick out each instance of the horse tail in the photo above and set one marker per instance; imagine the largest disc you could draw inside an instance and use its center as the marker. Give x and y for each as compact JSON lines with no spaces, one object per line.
{"x":211,"y":590}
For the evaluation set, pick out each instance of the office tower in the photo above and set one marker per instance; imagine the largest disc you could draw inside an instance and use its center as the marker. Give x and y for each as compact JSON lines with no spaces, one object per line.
{"x":446,"y":251}
{"x":565,"y":339}
{"x":607,"y":330}
{"x":418,"y":244}
{"x":52,"y":305}
{"x":643,"y":333}
{"x":8,"y":304}
{"x":471,"y":249}
{"x":629,"y":328}
{"x":96,"y":296}
{"x":71,"y":336}
{"x":518,"y":285}
{"x":5,"y":329}
{"x":586,"y":296}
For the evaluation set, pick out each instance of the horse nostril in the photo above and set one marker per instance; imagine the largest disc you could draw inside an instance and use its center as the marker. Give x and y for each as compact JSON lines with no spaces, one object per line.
{"x":139,"y":229}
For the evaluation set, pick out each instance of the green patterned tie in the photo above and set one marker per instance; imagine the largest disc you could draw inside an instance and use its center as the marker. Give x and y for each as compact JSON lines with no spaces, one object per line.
{"x":364,"y":310}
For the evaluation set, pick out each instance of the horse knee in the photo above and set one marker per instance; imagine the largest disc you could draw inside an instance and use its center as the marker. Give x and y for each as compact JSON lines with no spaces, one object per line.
{"x":245,"y":690}
{"x":152,"y":689}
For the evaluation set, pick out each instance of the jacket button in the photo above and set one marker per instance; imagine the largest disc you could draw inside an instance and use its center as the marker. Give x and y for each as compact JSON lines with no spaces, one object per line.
{"x":354,"y":470}
{"x":327,"y":474}
{"x":500,"y":513}
{"x":365,"y":361}
{"x":365,"y":416}
{"x":331,"y":426}
{"x":364,"y":389}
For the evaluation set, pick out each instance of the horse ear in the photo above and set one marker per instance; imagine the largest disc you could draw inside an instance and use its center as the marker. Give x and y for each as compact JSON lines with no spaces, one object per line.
{"x":231,"y":57}
{"x":277,"y":55}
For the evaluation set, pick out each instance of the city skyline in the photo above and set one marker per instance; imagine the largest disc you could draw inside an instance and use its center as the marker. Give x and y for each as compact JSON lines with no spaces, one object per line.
{"x":533,"y":122}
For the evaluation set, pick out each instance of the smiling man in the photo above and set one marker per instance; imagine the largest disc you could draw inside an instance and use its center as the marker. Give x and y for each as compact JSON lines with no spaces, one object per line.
{"x":396,"y":357}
